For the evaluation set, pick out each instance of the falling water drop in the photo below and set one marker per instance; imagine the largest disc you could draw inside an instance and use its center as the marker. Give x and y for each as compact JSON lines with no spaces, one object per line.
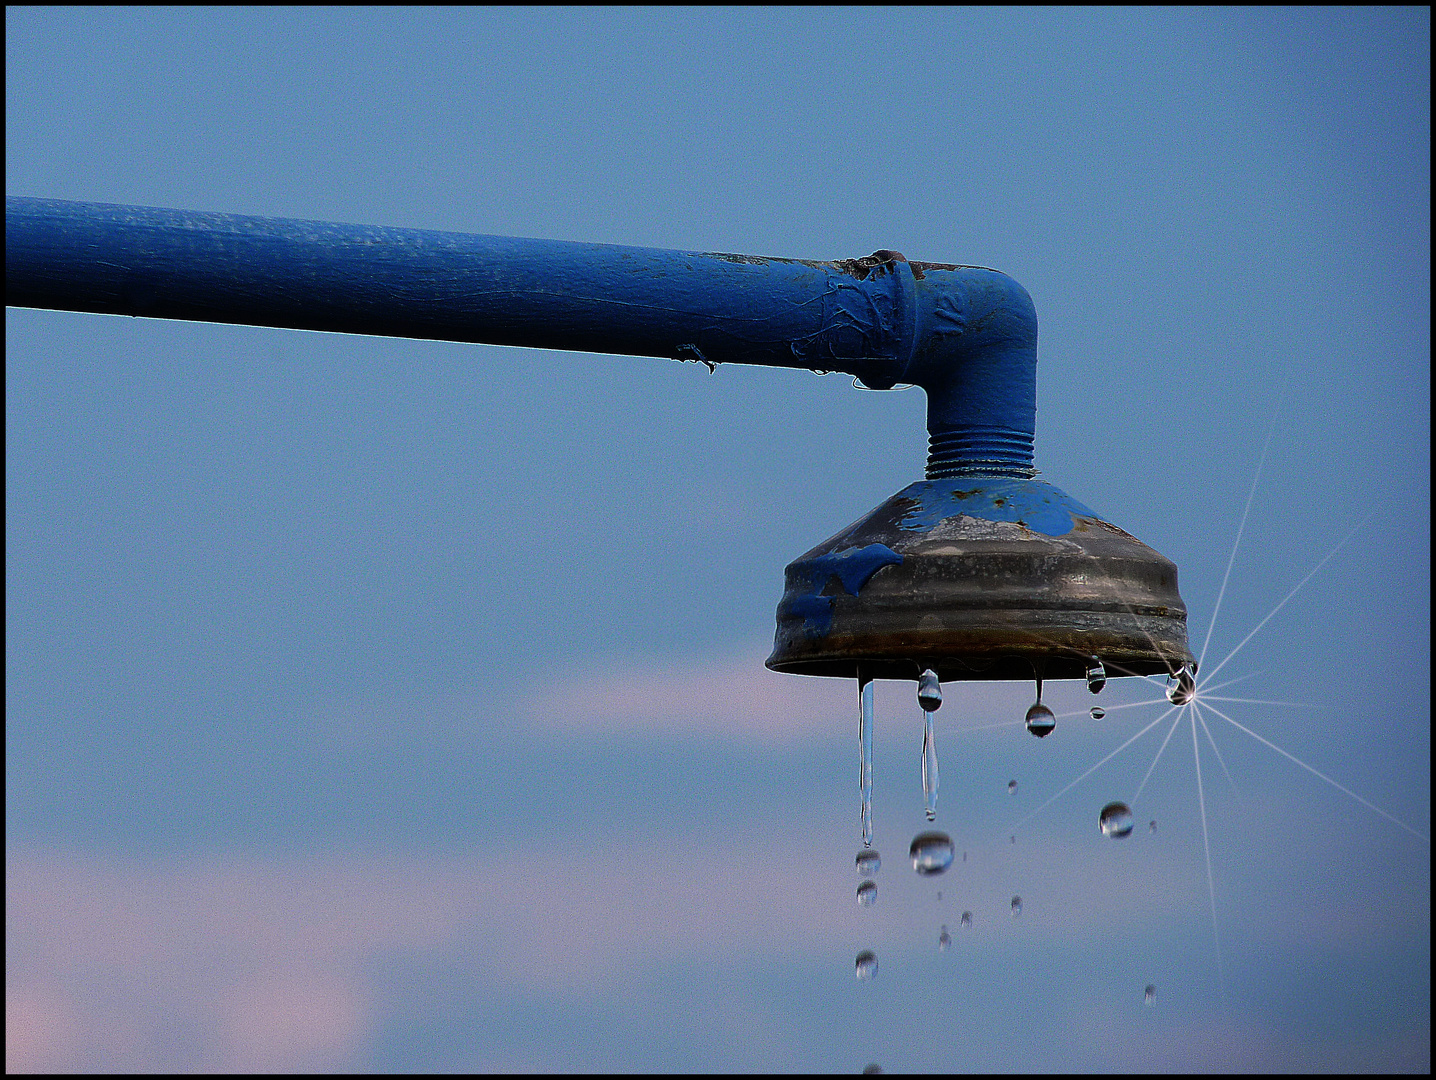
{"x":868,"y":892}
{"x":1097,"y":713}
{"x":929,"y":691}
{"x":1182,"y":685}
{"x":1151,"y":826}
{"x":944,"y":940}
{"x":1115,"y":820}
{"x":1016,"y":906}
{"x":1149,"y":996}
{"x":931,"y":853}
{"x":867,"y":964}
{"x":868,"y":862}
{"x":1040,"y":720}
{"x":865,"y":755}
{"x":1096,"y":676}
{"x":966,"y":919}
{"x":929,"y":768}
{"x":1011,"y":786}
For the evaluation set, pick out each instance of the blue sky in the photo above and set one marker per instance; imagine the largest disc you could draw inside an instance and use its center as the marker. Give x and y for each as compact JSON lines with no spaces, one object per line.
{"x":397,"y":705}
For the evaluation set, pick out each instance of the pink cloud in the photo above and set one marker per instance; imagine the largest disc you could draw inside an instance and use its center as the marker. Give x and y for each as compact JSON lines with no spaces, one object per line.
{"x":732,"y":697}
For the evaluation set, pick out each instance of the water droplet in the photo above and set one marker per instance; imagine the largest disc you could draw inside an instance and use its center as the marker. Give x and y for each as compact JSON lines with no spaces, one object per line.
{"x":1097,"y":713}
{"x":1016,"y":906}
{"x":1013,"y":838}
{"x":1096,"y":676}
{"x":966,"y":919}
{"x":865,"y":755}
{"x":867,"y":965}
{"x":1151,"y":826}
{"x":931,"y":853}
{"x":1011,"y":786}
{"x":939,"y":895}
{"x":872,"y":1070}
{"x":1115,"y":820}
{"x":944,"y":940}
{"x":964,"y":856}
{"x":1182,"y":686}
{"x":868,"y":893}
{"x":1149,"y":996}
{"x":868,"y":862}
{"x":1040,"y":720}
{"x":929,"y":691}
{"x":929,"y":768}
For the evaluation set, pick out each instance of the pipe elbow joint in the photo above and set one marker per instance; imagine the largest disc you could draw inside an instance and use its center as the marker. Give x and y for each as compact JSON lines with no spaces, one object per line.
{"x":975,"y":354}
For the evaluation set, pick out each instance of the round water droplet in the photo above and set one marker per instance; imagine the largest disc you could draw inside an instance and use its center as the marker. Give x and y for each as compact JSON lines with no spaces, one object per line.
{"x":1182,"y":686}
{"x":1097,"y":713}
{"x":868,"y":893}
{"x":1096,"y":676}
{"x":1149,"y":996}
{"x":1151,"y":826}
{"x":867,"y":965}
{"x":868,"y":862}
{"x":966,"y":919}
{"x":1040,"y":720}
{"x":1011,"y":786}
{"x":1115,"y":820}
{"x":931,"y":853}
{"x":1016,"y":906}
{"x":929,"y":691}
{"x":944,"y":940}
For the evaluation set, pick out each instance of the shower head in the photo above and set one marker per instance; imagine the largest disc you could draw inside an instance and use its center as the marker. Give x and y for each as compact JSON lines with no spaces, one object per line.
{"x":979,"y":571}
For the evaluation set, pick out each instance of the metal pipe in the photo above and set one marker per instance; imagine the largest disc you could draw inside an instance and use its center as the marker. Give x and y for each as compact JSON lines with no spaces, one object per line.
{"x":967,"y":335}
{"x":979,"y":571}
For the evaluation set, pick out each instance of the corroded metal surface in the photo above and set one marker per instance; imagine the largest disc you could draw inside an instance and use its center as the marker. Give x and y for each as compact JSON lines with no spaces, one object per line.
{"x":980,"y":579}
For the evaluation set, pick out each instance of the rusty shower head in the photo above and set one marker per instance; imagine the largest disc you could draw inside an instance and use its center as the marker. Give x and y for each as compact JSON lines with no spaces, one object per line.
{"x":980,"y":571}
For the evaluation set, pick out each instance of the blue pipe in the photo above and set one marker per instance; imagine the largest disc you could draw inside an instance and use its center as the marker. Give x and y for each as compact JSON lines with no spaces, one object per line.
{"x":967,"y":335}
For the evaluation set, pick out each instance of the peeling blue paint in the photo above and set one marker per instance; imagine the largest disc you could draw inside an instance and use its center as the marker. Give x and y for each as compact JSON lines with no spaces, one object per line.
{"x":1040,"y":507}
{"x":852,"y":567}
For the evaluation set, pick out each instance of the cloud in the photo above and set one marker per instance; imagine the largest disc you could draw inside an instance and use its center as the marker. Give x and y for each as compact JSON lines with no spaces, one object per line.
{"x":249,"y":964}
{"x":243,"y":963}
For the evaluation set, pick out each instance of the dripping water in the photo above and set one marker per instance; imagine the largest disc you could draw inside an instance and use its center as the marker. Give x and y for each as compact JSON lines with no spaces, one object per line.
{"x":1182,"y":685}
{"x":1040,"y":720}
{"x":867,"y":964}
{"x":931,"y":853}
{"x":865,"y":755}
{"x":1115,"y":820}
{"x":929,"y":697}
{"x":1096,"y":676}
